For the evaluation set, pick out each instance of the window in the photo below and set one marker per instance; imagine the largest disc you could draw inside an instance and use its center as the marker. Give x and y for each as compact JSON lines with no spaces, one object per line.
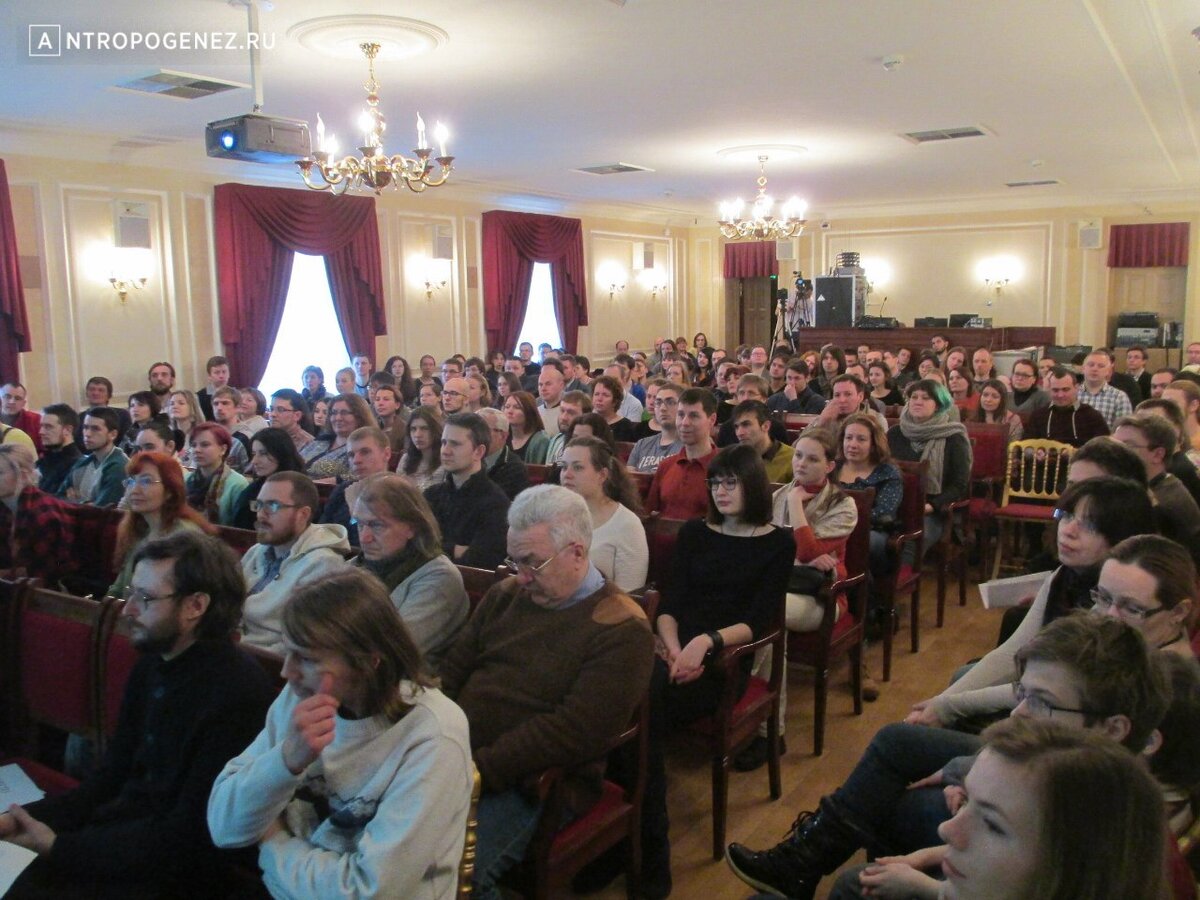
{"x":541,"y":325}
{"x":309,"y":334}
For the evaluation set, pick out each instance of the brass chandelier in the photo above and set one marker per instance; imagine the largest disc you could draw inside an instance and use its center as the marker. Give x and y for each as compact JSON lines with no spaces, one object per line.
{"x":762,"y":226}
{"x":374,"y":169}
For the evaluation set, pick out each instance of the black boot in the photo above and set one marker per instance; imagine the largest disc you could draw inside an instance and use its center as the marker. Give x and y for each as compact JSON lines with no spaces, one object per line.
{"x":814,"y":847}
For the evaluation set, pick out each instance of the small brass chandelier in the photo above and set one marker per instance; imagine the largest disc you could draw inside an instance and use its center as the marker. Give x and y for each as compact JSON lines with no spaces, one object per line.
{"x":375,"y":170}
{"x":762,"y":226}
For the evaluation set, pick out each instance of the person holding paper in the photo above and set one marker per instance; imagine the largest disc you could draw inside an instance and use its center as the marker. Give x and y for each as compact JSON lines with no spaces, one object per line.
{"x":136,"y":827}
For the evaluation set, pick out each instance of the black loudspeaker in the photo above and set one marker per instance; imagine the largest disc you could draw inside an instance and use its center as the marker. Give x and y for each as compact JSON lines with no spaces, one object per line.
{"x":833,"y":298}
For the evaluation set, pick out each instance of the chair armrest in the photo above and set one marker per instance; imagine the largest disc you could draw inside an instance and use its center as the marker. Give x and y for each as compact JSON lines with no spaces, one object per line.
{"x":729,"y":656}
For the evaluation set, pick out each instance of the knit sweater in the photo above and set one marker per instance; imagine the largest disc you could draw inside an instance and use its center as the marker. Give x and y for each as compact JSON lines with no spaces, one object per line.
{"x":546,"y":687}
{"x":382,"y":811}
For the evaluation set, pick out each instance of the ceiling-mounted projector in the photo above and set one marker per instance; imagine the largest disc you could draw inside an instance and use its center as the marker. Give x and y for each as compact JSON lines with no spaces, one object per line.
{"x":254,"y":137}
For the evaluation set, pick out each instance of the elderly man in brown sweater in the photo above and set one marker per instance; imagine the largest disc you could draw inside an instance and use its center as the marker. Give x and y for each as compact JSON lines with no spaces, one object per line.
{"x":548,"y":670}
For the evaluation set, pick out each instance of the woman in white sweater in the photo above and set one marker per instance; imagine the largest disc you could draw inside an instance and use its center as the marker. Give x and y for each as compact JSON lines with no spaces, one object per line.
{"x":360,"y":783}
{"x":595,"y":473}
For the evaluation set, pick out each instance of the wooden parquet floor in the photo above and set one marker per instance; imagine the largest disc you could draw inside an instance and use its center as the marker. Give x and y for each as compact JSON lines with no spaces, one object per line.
{"x":754,"y":819}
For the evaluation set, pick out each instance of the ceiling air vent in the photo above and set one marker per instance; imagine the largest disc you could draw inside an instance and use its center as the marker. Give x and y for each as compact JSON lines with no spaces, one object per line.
{"x":944,"y":134}
{"x":179,"y":85}
{"x":1039,"y":183}
{"x":619,"y":168}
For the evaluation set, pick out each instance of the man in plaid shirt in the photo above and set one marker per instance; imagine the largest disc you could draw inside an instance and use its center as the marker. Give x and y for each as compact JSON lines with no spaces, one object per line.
{"x":39,"y":529}
{"x":1098,"y":393}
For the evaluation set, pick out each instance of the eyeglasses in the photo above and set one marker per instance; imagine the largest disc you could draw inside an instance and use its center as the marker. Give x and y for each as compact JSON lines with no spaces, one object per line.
{"x":1022,"y":374}
{"x":1126,"y":609}
{"x":451,"y":394}
{"x":525,"y":568}
{"x":666,"y":401}
{"x":280,"y":409}
{"x":729,"y":482}
{"x":138,"y":597}
{"x":1063,"y":517}
{"x":371,"y":525}
{"x":1038,"y":706}
{"x":271,"y":506}
{"x":141,"y":481}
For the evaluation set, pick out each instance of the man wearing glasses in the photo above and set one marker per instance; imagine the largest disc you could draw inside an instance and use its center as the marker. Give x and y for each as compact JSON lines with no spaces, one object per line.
{"x":454,"y":395}
{"x":549,"y":670}
{"x":1086,"y":670}
{"x":287,"y":411}
{"x":137,"y":826}
{"x":652,"y":450}
{"x":1027,"y":397}
{"x":291,"y":552}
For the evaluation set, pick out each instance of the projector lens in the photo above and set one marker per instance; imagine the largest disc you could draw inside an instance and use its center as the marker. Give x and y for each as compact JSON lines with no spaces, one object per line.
{"x":228,"y":140}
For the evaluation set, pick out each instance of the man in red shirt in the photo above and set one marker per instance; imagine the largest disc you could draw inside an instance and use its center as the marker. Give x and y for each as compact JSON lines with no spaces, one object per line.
{"x":14,"y":413}
{"x":680,"y":486}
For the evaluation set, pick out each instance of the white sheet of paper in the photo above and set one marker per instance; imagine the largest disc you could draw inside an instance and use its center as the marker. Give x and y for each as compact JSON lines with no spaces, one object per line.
{"x":13,"y":860}
{"x":1005,"y":592}
{"x":15,"y":787}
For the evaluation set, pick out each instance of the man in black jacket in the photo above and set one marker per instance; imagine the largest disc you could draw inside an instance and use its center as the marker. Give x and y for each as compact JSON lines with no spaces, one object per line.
{"x":470,"y":508}
{"x":137,"y":827}
{"x":59,"y":450}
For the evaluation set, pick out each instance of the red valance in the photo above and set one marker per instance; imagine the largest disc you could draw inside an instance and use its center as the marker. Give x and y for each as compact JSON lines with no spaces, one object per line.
{"x":754,"y":259}
{"x":258,"y":229}
{"x":512,"y":243}
{"x":1146,"y":246}
{"x":14,"y":324}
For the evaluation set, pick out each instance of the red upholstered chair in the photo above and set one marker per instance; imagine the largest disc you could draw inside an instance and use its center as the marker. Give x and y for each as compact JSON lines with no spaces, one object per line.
{"x":642,"y":480}
{"x":556,"y":854}
{"x":661,"y":535}
{"x":240,"y":539}
{"x":624,"y":449}
{"x":837,"y":637}
{"x":115,"y":661}
{"x":538,"y":474}
{"x":989,"y":444}
{"x":906,"y":576}
{"x":53,"y":659}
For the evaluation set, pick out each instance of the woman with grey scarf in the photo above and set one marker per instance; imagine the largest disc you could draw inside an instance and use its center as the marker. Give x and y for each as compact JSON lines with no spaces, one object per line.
{"x":930,"y":431}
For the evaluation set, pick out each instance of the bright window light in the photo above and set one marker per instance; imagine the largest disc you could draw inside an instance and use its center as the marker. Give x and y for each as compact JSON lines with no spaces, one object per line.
{"x":541,"y":325}
{"x":309,"y":334}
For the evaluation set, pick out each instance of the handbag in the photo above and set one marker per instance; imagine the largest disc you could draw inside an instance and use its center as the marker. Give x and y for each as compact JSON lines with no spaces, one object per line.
{"x":806,"y":580}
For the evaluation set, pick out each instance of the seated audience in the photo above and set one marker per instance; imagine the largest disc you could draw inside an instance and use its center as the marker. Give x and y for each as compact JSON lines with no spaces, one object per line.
{"x":38,"y":529}
{"x":864,"y":460}
{"x":607,"y":397}
{"x":551,"y":384}
{"x":1089,"y":672}
{"x":360,"y":782}
{"x":883,"y":388}
{"x":160,"y":378}
{"x":573,"y":405}
{"x":184,"y":414}
{"x":402,"y":547}
{"x":1094,"y":515}
{"x":291,"y":552}
{"x":156,"y":437}
{"x":662,"y":398}
{"x":527,"y":435}
{"x":751,"y":422}
{"x":469,"y":507}
{"x":679,"y":489}
{"x":454,"y":391}
{"x":143,"y":407}
{"x":155,"y":507}
{"x":1065,"y":420}
{"x":96,"y":477}
{"x":833,"y":364}
{"x":1179,"y":463}
{"x":313,"y":378}
{"x":1027,"y":398}
{"x":225,"y":403}
{"x":962,"y":390}
{"x":591,"y":425}
{"x":13,"y":414}
{"x":390,"y":412}
{"x":993,"y":408}
{"x":271,"y":451}
{"x":1186,"y":395}
{"x":420,"y":462}
{"x":59,"y":450}
{"x":848,"y":395}
{"x":252,"y":410}
{"x":503,"y":465}
{"x":399,"y":368}
{"x":136,"y":826}
{"x":320,"y":416}
{"x":1096,"y":391}
{"x":927,"y":431}
{"x":368,"y":451}
{"x":217,"y":368}
{"x":213,"y":488}
{"x":345,"y":380}
{"x":289,"y":412}
{"x":347,"y":413}
{"x":563,"y":710}
{"x":619,"y":549}
{"x":507,"y":384}
{"x":1148,"y":582}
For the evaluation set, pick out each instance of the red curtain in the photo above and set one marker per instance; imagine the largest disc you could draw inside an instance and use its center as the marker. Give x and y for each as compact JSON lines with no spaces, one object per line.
{"x":1146,"y":246}
{"x":258,"y":229}
{"x":512,"y":243}
{"x":754,"y":259}
{"x":14,"y":325}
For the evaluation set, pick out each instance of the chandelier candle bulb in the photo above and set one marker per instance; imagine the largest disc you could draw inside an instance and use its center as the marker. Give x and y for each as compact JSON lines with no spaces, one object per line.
{"x":421,"y":144}
{"x":441,"y":134}
{"x":320,"y":133}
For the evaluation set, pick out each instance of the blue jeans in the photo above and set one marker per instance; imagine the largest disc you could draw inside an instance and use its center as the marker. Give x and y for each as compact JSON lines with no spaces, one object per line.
{"x":507,"y":822}
{"x":876,"y":799}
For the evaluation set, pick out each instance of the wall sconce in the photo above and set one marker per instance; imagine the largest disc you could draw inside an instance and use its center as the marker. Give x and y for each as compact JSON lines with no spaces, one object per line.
{"x":654,"y":281}
{"x":431,"y":274}
{"x":612,"y":278}
{"x":996,"y":272}
{"x":128,"y":269}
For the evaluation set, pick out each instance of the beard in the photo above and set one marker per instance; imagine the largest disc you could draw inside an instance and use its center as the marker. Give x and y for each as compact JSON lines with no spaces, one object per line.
{"x":160,"y":639}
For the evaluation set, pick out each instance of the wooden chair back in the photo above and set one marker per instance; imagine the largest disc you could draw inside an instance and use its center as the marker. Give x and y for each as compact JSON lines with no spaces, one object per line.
{"x":624,"y":449}
{"x":661,"y":535}
{"x":989,"y":444}
{"x":466,"y":866}
{"x":240,"y":539}
{"x":538,"y":474}
{"x":642,"y":481}
{"x":1037,"y":471}
{"x":478,"y":582}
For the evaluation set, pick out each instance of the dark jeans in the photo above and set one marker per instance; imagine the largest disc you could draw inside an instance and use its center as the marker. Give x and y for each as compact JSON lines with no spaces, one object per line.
{"x":876,"y":799}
